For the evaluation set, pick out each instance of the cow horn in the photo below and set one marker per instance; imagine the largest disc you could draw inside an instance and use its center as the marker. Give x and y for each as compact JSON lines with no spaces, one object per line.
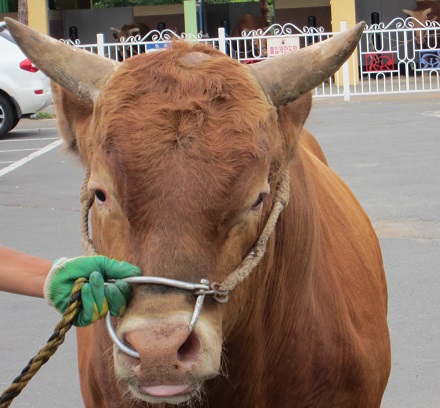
{"x":408,"y":12}
{"x":82,"y":73}
{"x":287,"y":77}
{"x":427,"y":11}
{"x":133,"y":30}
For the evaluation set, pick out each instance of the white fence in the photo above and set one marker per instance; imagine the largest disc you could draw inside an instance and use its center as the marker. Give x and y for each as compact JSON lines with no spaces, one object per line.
{"x":401,"y":57}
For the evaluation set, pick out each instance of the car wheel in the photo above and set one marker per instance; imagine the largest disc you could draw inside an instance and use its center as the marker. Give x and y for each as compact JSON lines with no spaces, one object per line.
{"x":14,"y":122}
{"x":6,"y":116}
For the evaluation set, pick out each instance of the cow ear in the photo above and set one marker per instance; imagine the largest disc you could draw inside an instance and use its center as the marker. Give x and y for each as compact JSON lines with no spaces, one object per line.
{"x":291,"y":119}
{"x":73,"y":117}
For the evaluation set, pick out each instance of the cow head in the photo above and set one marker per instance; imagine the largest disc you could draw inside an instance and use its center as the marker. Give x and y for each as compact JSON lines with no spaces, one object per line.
{"x":129,"y":31}
{"x":250,"y":27}
{"x":185,"y":150}
{"x":421,"y":16}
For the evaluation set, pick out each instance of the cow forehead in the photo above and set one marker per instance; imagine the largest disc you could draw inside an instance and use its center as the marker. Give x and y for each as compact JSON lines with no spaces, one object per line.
{"x":181,"y":85}
{"x":175,"y":124}
{"x":196,"y":74}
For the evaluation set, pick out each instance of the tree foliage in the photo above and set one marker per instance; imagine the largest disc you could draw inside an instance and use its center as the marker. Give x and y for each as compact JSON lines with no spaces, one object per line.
{"x":13,"y":6}
{"x":128,"y":3}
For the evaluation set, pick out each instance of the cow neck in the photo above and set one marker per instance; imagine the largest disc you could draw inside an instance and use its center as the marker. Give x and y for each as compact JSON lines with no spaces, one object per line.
{"x":219,"y":291}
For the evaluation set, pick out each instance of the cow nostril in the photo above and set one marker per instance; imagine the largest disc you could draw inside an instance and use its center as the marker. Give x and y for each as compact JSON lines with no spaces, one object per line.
{"x":126,"y":342}
{"x":189,"y":349}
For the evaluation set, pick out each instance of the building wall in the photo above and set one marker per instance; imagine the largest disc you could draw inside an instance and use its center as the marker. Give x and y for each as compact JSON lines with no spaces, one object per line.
{"x":298,"y":12}
{"x":285,"y":11}
{"x":171,"y":15}
{"x":90,"y":22}
{"x":56,"y":24}
{"x":38,"y":18}
{"x":216,"y":13}
{"x":387,"y":9}
{"x":93,"y":21}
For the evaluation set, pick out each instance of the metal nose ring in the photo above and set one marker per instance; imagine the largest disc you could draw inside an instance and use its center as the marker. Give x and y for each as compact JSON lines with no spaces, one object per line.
{"x":200,"y":290}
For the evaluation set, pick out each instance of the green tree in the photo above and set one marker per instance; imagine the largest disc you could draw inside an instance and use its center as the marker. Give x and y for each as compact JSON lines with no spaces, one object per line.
{"x":13,"y":6}
{"x":127,"y":3}
{"x":266,"y":6}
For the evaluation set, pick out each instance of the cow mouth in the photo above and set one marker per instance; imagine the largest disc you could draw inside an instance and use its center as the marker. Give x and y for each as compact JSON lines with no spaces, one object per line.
{"x":166,"y":390}
{"x":164,"y":393}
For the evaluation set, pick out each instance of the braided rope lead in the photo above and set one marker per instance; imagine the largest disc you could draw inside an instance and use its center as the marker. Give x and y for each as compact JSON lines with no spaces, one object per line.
{"x":86,"y":198}
{"x":49,"y":349}
{"x":251,"y":261}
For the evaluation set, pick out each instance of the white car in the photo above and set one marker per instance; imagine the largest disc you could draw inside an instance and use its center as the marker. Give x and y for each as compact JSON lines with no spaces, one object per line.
{"x":24,"y":89}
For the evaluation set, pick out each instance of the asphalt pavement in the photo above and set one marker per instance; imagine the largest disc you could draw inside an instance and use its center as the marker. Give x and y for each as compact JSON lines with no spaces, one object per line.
{"x":387,"y":150}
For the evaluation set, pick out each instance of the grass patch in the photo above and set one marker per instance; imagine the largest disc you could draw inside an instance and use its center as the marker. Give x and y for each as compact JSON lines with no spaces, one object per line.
{"x":43,"y":115}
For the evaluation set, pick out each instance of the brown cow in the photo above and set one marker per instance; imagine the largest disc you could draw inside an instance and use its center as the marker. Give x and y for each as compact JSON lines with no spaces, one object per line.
{"x":190,"y":154}
{"x":130,"y":30}
{"x":425,"y":11}
{"x":138,"y":30}
{"x":255,"y":48}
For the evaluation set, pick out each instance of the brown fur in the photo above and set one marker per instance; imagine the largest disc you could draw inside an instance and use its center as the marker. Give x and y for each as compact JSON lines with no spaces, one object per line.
{"x":182,"y":147}
{"x":264,"y":7}
{"x":245,"y":24}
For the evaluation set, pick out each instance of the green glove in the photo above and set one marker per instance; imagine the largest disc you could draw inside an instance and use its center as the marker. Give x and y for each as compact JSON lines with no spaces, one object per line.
{"x":97,"y":298}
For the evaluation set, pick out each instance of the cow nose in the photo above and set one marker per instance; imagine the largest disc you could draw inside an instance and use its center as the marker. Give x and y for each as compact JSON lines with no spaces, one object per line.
{"x":165,"y":347}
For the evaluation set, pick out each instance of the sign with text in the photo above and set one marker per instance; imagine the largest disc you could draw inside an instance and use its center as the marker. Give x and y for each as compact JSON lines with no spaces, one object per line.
{"x":156,"y":46}
{"x":279,"y":46}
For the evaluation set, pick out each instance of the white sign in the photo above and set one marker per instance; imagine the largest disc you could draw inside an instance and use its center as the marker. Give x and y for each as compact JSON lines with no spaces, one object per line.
{"x":278,"y":46}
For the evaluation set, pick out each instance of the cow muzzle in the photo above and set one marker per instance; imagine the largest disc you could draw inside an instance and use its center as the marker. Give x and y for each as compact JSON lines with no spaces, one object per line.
{"x":167,"y":356}
{"x":200,"y":290}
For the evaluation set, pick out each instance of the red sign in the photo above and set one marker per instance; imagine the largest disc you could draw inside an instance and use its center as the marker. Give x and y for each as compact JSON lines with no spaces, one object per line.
{"x":379,"y":62}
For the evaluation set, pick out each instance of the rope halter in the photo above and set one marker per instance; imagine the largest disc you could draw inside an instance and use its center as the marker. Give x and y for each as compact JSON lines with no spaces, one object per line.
{"x":218,"y":291}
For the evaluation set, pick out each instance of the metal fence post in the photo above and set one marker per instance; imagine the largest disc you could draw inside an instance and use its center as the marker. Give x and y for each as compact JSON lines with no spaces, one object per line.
{"x":345,"y":71}
{"x":100,"y":44}
{"x":222,"y":40}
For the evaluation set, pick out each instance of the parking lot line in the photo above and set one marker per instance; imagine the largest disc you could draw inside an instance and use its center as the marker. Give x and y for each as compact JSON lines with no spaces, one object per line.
{"x":37,"y":139}
{"x":30,"y":157}
{"x":18,"y":150}
{"x":41,"y":129}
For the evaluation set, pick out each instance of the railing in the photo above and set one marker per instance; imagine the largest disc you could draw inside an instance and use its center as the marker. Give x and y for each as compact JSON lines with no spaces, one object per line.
{"x":403,"y":56}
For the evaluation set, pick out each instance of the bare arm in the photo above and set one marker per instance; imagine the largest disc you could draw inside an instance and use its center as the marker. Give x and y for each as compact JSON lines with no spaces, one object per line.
{"x":21,"y":273}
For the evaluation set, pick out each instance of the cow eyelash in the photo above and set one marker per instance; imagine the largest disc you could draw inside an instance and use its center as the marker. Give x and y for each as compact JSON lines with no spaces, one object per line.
{"x":259,"y":201}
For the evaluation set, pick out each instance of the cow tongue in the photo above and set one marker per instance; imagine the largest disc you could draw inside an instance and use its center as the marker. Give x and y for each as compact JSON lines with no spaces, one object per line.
{"x":165,"y":390}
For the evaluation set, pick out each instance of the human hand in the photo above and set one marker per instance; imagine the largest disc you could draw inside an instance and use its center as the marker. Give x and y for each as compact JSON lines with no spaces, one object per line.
{"x":97,"y":298}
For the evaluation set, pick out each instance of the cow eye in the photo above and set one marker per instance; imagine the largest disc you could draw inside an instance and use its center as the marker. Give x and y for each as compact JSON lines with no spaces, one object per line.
{"x":100,"y":196}
{"x":259,"y":201}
